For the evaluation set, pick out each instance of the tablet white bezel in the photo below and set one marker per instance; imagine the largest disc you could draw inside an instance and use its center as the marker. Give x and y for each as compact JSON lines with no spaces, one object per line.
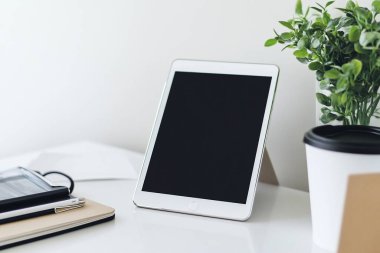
{"x":199,"y":206}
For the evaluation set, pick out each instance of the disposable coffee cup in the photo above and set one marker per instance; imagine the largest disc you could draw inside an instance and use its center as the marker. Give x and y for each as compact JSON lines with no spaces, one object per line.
{"x":333,"y":154}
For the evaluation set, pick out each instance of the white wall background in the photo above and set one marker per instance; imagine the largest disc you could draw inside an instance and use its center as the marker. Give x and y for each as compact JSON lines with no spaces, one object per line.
{"x":94,"y":69}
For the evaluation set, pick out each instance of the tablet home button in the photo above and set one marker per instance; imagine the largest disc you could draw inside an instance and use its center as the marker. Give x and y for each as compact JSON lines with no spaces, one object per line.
{"x":193,"y":205}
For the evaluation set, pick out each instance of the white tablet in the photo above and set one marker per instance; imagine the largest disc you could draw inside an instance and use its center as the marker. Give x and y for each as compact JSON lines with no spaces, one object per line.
{"x":207,"y":143}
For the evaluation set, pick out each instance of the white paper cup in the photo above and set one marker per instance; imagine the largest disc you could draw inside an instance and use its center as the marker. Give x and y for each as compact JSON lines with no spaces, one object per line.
{"x":333,"y":153}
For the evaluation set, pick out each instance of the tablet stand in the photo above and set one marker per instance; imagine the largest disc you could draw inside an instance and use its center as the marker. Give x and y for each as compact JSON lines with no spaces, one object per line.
{"x":267,"y":173}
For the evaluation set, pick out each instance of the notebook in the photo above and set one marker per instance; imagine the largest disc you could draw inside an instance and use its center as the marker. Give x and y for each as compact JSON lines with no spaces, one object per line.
{"x":24,"y":231}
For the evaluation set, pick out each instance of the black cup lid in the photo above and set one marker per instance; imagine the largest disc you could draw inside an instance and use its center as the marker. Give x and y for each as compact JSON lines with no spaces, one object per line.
{"x":348,"y":139}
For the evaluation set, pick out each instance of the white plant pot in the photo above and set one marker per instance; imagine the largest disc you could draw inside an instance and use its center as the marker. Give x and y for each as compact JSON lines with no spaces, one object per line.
{"x":328,"y":173}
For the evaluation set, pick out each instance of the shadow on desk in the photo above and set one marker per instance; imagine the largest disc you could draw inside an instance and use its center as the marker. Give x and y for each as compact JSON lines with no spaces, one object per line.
{"x":218,"y":235}
{"x":268,"y":202}
{"x":211,"y":234}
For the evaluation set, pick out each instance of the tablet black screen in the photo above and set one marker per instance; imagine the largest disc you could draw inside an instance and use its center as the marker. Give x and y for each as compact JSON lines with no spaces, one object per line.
{"x":206,"y":144}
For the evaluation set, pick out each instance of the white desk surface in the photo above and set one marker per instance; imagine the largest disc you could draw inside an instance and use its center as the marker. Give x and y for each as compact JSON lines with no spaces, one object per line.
{"x":280,"y":223}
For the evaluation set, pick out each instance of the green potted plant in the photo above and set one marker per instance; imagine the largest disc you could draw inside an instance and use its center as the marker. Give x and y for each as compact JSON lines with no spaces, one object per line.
{"x":344,"y":52}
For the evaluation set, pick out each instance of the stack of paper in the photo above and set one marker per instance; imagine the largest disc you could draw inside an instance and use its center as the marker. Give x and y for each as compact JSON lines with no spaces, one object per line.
{"x":86,"y":161}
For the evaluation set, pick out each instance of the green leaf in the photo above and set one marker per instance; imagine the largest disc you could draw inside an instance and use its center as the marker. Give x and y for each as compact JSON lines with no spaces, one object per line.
{"x":326,"y":17}
{"x":332,"y":74}
{"x":315,"y":43}
{"x":307,"y":11}
{"x":287,"y":36}
{"x":343,"y":98}
{"x":323,"y":8}
{"x":328,"y":117}
{"x":302,"y":60}
{"x":286,"y":24}
{"x":334,"y":100}
{"x":319,"y":75}
{"x":323,"y":99}
{"x":270,"y":42}
{"x":344,"y":22}
{"x":324,"y":84}
{"x":363,"y":15}
{"x":333,"y":24}
{"x":347,"y":68}
{"x":318,"y":25}
{"x":325,"y":110}
{"x":316,"y":9}
{"x":341,"y":85}
{"x":353,"y":67}
{"x":340,"y":118}
{"x":315,"y":66}
{"x":301,"y":44}
{"x":356,"y":67}
{"x":376,"y":6}
{"x":378,"y":62}
{"x":302,"y":53}
{"x":329,"y":3}
{"x":299,"y":8}
{"x":343,"y":10}
{"x":348,"y":105}
{"x":354,"y":34}
{"x":370,"y":40}
{"x":314,"y":57}
{"x":358,"y":48}
{"x":287,"y":46}
{"x":350,"y":5}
